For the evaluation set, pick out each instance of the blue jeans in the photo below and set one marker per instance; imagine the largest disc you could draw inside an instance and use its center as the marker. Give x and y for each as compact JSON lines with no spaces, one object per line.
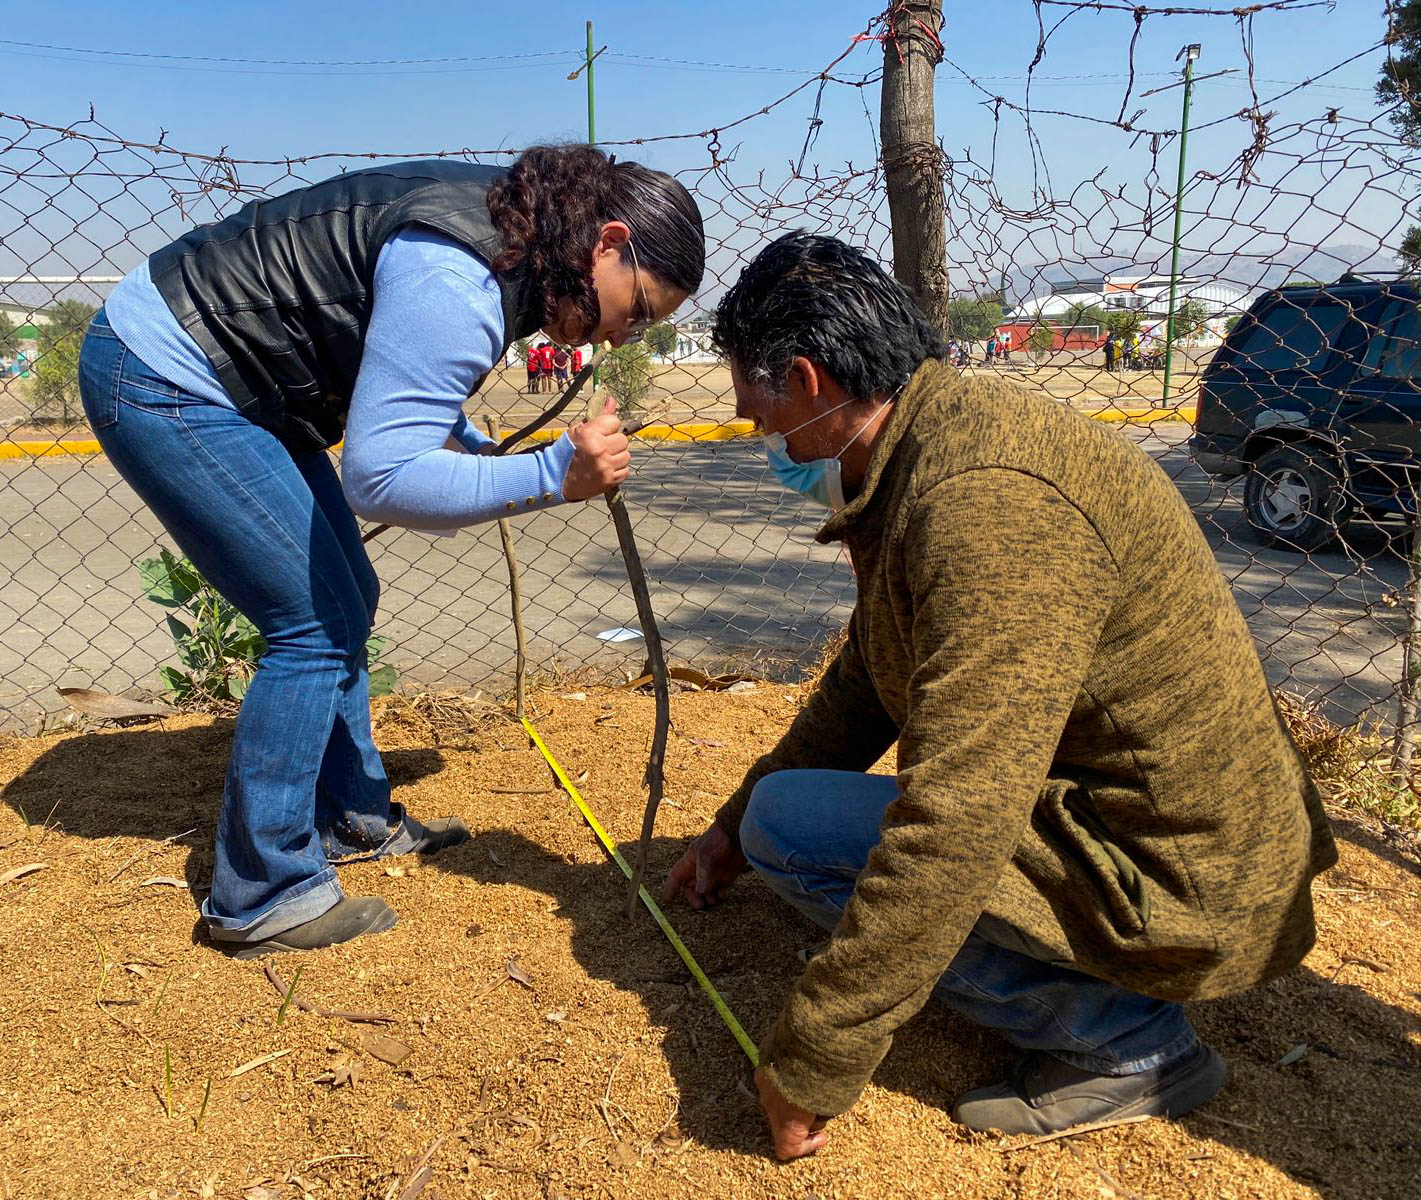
{"x":273,"y":533}
{"x":808,"y":835}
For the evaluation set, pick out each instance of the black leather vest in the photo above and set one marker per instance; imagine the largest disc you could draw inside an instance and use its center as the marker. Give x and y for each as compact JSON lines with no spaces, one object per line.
{"x":278,"y":295}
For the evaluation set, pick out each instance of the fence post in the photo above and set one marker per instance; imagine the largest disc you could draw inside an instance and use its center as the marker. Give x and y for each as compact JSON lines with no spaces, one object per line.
{"x":912,"y":164}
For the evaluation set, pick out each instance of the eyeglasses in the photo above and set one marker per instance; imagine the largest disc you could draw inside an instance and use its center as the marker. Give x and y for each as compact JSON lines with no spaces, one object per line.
{"x":639,"y":324}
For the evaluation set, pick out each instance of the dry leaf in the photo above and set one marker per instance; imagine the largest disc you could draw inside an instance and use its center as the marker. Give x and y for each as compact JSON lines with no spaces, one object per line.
{"x":386,"y":1049}
{"x":259,"y":1191}
{"x":258,"y":1062}
{"x":622,"y":1155}
{"x":346,"y":1072}
{"x":137,"y":968}
{"x":573,"y":696}
{"x":15,"y":873}
{"x":557,"y":1016}
{"x":1293,"y":1055}
{"x":498,"y":862}
{"x":395,"y":872}
{"x":164,"y":881}
{"x":518,"y":974}
{"x":705,"y":742}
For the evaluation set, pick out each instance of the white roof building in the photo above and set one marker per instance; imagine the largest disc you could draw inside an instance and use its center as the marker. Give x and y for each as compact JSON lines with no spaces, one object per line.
{"x":1146,"y":294}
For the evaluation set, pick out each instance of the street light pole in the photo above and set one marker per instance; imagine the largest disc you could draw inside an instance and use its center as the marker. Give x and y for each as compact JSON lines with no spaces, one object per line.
{"x":1189,"y":54}
{"x":591,"y":117}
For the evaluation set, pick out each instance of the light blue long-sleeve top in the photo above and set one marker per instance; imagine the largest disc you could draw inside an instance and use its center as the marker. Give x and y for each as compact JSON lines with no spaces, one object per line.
{"x":436,"y":327}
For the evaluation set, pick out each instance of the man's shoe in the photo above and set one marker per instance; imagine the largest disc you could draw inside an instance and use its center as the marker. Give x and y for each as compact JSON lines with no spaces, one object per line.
{"x":430,"y":837}
{"x":1044,"y":1094}
{"x":350,"y":918}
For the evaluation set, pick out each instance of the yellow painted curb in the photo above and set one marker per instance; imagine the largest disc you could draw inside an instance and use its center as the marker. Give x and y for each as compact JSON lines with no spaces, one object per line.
{"x":685,"y":431}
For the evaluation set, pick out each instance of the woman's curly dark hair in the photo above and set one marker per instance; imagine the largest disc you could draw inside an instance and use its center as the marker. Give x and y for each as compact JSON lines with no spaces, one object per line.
{"x":553,"y":203}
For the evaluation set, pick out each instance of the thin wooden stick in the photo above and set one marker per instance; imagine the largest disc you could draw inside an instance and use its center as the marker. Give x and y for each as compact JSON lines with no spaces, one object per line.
{"x":505,"y":532}
{"x":366,"y":1018}
{"x":655,"y":777}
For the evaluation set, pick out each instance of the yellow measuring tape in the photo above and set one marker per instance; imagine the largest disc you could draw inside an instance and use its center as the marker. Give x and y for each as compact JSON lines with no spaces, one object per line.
{"x":651,"y":906}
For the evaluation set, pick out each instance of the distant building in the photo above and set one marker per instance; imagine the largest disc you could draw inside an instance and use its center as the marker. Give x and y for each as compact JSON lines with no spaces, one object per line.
{"x":693,"y":342}
{"x":1146,"y":294}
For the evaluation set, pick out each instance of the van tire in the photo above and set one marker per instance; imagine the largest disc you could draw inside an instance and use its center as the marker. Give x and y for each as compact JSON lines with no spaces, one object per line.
{"x":1294,"y":498}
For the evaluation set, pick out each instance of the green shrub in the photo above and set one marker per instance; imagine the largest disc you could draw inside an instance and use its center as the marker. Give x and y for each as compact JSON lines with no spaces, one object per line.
{"x":218,"y":648}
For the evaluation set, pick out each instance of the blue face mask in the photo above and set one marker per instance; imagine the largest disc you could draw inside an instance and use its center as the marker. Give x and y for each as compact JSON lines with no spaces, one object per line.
{"x":820,"y":479}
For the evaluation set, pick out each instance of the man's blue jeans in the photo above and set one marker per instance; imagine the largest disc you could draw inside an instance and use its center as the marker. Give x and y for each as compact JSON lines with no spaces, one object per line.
{"x":273,"y":533}
{"x":808,"y":835}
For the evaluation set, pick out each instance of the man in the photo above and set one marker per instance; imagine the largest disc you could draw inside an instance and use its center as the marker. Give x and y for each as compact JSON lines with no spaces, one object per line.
{"x":576,"y":359}
{"x":547,"y":365}
{"x":533,"y":360}
{"x":1097,"y":812}
{"x":1004,"y":344}
{"x":561,"y":358}
{"x":1111,"y":348}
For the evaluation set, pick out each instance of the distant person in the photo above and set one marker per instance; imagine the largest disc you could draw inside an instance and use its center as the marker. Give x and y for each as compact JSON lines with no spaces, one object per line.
{"x":364,"y":308}
{"x":953,"y":350}
{"x":561,"y":359}
{"x":1132,"y":351}
{"x":548,"y":352}
{"x":576,"y":359}
{"x":1004,"y":345}
{"x":991,"y":349}
{"x":1112,"y":351}
{"x":532,"y":362}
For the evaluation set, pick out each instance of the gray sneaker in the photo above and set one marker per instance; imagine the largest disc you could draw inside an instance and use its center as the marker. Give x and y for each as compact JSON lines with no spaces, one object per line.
{"x":1043,"y":1094}
{"x":350,"y":918}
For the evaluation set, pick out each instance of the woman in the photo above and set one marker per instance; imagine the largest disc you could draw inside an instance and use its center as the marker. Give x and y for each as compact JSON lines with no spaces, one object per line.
{"x":368,"y":306}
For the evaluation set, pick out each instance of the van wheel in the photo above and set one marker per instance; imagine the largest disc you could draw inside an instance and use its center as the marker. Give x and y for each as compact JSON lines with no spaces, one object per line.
{"x":1294,"y":498}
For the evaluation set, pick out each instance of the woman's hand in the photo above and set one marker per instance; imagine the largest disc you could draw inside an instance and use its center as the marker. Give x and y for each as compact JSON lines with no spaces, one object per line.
{"x":711,"y":863}
{"x":603,"y":455}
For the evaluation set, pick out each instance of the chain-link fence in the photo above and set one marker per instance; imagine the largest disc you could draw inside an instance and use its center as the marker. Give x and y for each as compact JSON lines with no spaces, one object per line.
{"x":1286,"y":405}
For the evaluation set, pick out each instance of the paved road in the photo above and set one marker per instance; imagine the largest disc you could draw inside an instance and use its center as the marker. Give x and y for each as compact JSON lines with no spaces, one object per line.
{"x":736,"y":576}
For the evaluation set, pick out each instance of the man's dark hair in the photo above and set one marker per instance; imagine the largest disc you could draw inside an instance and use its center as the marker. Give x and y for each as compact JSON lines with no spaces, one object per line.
{"x":813,"y":296}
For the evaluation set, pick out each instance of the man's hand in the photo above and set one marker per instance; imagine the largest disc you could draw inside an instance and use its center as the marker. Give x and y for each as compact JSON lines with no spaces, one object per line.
{"x":796,"y":1131}
{"x":603,"y":456}
{"x":711,"y":863}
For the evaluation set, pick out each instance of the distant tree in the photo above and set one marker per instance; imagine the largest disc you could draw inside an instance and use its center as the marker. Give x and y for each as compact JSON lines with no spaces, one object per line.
{"x":1410,"y":253}
{"x":1232,"y":323}
{"x":661,"y":339}
{"x":1400,"y":84}
{"x":56,"y":369}
{"x":971,"y":320}
{"x":1081,"y":313}
{"x":1191,"y":318}
{"x":626,"y":372}
{"x":1040,"y":340}
{"x":1305,"y":283}
{"x":520,"y":348}
{"x":1123,"y":322}
{"x":9,"y":336}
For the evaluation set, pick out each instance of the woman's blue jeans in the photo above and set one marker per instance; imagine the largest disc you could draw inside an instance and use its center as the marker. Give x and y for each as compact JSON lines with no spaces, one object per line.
{"x":808,"y":835}
{"x":273,"y":533}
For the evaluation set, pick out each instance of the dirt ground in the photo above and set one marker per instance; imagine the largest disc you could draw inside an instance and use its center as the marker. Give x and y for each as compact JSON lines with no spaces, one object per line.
{"x":610,"y":1075}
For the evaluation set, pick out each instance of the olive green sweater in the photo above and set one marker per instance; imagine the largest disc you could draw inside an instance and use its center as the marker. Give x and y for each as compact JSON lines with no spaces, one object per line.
{"x":1089,"y":759}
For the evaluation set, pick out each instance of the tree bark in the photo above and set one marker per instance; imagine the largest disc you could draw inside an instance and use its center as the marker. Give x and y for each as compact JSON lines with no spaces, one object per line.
{"x":912,"y":161}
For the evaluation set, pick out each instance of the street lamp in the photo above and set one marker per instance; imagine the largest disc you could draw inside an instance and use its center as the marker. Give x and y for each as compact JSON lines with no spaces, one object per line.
{"x":1189,"y":54}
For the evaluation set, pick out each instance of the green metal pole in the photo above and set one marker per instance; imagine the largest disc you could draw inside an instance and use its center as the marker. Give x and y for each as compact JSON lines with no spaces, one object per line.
{"x":1178,"y":220}
{"x":591,"y":109}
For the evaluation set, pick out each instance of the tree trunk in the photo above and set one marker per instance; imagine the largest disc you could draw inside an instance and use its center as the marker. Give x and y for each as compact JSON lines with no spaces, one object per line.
{"x":1409,"y":690}
{"x":912,"y":162}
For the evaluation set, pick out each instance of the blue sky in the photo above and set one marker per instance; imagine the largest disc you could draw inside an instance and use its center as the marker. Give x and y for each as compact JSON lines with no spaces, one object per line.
{"x":262,"y":111}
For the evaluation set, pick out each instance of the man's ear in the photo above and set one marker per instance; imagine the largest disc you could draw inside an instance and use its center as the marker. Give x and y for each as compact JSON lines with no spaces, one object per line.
{"x":804,"y":381}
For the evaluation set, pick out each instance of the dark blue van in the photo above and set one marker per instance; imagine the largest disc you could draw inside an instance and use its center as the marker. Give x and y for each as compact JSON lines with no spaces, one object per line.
{"x":1315,"y":396}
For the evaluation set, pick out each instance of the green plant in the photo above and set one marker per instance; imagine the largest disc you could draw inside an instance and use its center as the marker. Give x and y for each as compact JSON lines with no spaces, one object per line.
{"x":218,"y":648}
{"x":286,"y":1000}
{"x":1191,"y":319}
{"x":1081,"y":313}
{"x":661,"y":339}
{"x":9,"y":336}
{"x":202,"y":1112}
{"x":56,"y":370}
{"x":168,"y":1081}
{"x":520,"y":348}
{"x":1041,"y":339}
{"x":626,"y":373}
{"x":971,"y":320}
{"x":1123,"y":322}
